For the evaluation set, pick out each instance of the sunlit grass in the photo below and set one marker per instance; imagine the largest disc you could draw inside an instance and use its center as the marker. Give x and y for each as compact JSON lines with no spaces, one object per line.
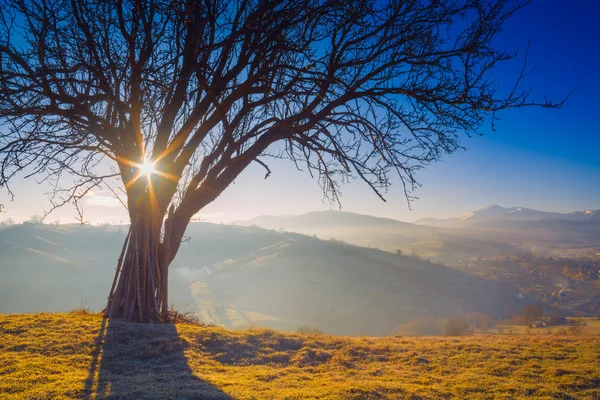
{"x":69,"y":356}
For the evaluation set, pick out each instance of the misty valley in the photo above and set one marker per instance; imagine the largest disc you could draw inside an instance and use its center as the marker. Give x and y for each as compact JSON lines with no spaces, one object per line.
{"x":338,"y":272}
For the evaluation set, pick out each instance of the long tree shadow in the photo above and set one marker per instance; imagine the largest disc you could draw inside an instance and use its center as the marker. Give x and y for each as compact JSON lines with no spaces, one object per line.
{"x":141,"y":361}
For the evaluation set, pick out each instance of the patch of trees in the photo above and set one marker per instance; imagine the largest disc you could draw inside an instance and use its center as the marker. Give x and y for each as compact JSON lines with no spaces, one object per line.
{"x":459,"y":325}
{"x":533,"y":312}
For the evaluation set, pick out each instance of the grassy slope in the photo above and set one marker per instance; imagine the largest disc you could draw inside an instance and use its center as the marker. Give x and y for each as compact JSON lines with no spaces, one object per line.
{"x":83,"y":356}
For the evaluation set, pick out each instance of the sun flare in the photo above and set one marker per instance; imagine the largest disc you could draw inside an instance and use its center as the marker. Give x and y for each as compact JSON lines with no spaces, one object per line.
{"x":147,"y":168}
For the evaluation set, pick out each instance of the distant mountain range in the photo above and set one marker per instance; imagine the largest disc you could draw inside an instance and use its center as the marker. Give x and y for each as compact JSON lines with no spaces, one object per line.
{"x":512,"y":223}
{"x":495,"y":212}
{"x":491,"y":212}
{"x":328,"y":219}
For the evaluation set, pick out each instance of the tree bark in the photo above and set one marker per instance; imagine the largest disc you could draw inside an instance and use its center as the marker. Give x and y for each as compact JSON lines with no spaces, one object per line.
{"x":142,"y":271}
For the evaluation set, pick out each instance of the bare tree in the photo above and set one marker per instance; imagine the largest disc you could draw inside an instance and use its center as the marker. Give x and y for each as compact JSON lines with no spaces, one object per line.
{"x":174,"y":99}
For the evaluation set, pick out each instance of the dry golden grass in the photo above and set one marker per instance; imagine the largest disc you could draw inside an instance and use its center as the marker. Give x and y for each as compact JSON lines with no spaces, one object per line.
{"x":590,"y":327}
{"x":72,"y":356}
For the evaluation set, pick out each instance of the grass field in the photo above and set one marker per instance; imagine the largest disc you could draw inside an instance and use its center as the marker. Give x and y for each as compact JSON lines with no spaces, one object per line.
{"x":72,"y":356}
{"x":591,"y":326}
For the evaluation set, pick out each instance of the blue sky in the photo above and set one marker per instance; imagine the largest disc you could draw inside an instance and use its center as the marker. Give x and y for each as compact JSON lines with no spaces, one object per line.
{"x":537,"y":158}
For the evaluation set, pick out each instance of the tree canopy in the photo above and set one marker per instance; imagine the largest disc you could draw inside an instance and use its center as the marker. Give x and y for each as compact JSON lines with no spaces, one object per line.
{"x":203,"y":88}
{"x":175,"y":98}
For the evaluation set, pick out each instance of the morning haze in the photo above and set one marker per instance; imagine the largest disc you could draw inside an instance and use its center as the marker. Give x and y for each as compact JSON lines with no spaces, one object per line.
{"x":299,"y":199}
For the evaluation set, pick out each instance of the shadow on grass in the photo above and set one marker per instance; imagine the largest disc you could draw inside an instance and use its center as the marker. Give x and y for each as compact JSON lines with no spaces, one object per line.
{"x":142,"y":361}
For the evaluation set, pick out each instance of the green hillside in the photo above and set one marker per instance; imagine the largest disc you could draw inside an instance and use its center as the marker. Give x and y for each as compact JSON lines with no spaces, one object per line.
{"x":73,"y":356}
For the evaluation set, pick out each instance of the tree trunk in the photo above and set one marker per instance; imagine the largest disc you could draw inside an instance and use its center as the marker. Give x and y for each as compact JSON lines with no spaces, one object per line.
{"x":142,"y":270}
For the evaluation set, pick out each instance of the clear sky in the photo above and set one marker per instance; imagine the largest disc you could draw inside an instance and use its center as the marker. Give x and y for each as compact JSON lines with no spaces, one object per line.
{"x":543,"y":159}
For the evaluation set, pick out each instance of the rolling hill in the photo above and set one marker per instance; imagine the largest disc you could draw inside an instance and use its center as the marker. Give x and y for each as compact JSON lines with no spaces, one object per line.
{"x":536,"y":252}
{"x":236,"y":276}
{"x":368,"y":231}
{"x":339,"y":288}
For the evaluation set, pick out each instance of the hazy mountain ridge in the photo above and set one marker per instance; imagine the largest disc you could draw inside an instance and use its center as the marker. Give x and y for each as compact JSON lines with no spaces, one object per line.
{"x":491,"y":212}
{"x":326,"y":219}
{"x":491,"y":223}
{"x":496,"y":212}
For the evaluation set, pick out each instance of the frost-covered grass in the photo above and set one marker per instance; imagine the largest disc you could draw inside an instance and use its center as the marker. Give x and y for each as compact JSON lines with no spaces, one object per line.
{"x":79,"y":355}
